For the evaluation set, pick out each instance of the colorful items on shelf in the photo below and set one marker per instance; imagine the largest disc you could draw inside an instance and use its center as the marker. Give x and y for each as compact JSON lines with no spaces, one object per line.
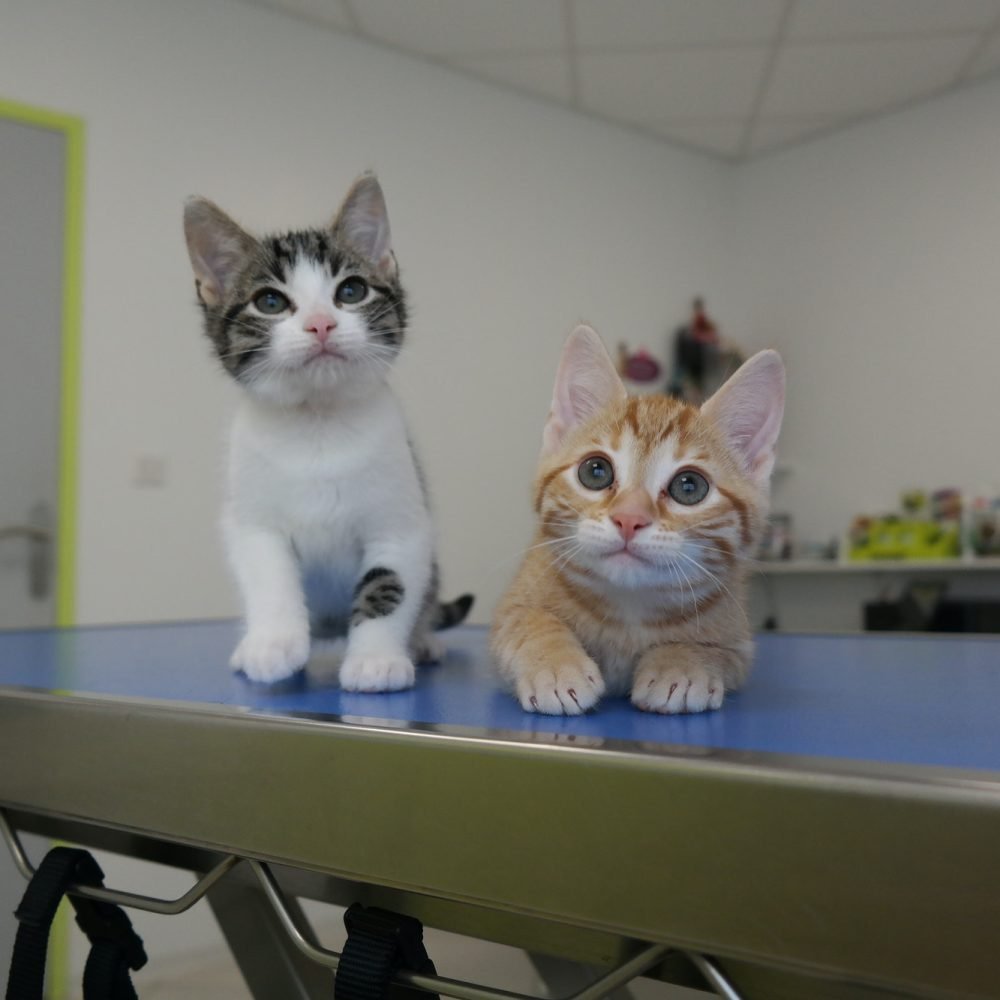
{"x":984,"y":526}
{"x":925,"y":531}
{"x":894,"y":537}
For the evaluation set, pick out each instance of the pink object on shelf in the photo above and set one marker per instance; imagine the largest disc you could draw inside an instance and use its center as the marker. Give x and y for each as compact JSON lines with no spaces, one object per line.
{"x":642,"y":367}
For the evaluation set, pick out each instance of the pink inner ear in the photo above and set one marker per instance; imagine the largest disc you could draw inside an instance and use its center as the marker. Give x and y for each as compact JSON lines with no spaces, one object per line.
{"x":364,"y":222}
{"x":586,"y":383}
{"x":749,"y":409}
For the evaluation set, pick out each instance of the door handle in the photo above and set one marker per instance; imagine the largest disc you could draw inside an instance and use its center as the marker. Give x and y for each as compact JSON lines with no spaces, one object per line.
{"x":39,"y":537}
{"x":25,"y":531}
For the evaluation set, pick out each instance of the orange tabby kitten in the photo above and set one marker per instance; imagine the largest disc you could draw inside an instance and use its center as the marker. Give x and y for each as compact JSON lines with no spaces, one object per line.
{"x":648,"y":512}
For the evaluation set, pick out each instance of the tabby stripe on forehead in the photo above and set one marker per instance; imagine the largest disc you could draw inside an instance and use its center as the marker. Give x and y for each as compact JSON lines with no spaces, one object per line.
{"x":378,"y":594}
{"x":666,"y":432}
{"x":632,"y":415}
{"x":682,"y":426}
{"x":741,"y":512}
{"x":284,"y":257}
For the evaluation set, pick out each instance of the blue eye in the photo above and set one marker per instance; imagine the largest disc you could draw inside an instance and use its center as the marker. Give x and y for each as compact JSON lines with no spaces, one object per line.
{"x":351,"y":291}
{"x":596,"y":472}
{"x":688,"y":488}
{"x":271,"y":302}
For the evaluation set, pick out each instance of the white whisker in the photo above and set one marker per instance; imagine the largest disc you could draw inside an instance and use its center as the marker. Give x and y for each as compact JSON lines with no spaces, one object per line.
{"x":718,"y":582}
{"x":694,"y":599}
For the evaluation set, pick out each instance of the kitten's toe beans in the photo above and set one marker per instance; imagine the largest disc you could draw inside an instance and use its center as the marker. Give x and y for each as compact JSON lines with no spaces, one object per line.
{"x":269,"y":657}
{"x":673,"y":690}
{"x":564,"y":690}
{"x":377,"y":672}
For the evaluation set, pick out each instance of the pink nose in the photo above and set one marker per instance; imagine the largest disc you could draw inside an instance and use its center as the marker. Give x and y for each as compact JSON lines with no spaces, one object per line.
{"x":629,"y":524}
{"x":321,"y":325}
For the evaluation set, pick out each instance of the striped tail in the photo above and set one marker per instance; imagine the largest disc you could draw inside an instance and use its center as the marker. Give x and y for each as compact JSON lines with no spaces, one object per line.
{"x":452,"y":613}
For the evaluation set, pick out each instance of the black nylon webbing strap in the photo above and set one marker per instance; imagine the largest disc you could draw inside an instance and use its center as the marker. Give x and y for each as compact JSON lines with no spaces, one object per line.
{"x":114,"y":949}
{"x":62,"y":866}
{"x":115,"y":946}
{"x":379,"y":943}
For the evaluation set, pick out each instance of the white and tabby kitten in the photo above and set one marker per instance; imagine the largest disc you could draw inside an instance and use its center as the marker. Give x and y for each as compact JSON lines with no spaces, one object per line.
{"x":326,"y":522}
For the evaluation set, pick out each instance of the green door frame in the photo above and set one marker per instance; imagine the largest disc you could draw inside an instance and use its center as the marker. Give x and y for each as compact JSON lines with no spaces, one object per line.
{"x":72,"y":299}
{"x":57,"y":978}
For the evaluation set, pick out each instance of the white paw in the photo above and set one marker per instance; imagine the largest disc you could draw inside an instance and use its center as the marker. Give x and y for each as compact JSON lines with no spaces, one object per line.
{"x":376,"y":672}
{"x":672,"y":690}
{"x":268,"y":657}
{"x":568,"y":689}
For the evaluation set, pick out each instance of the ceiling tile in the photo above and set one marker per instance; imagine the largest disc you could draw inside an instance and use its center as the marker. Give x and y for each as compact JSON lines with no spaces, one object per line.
{"x":860,"y":77}
{"x":333,"y":13}
{"x":691,"y":70}
{"x":988,"y":61}
{"x":545,"y":75}
{"x":772,"y":133}
{"x":641,"y":23}
{"x":680,"y":83}
{"x":720,"y":137}
{"x":825,"y":19}
{"x":443,"y":27}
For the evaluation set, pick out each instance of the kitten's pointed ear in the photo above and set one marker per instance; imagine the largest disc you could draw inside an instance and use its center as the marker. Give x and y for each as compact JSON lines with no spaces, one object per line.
{"x":748,"y":410}
{"x":586,"y":383}
{"x":217,"y":247}
{"x":363,"y":223}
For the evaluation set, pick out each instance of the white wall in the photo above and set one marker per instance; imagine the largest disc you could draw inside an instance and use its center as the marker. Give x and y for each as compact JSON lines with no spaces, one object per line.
{"x":513,"y":219}
{"x":871,"y":260}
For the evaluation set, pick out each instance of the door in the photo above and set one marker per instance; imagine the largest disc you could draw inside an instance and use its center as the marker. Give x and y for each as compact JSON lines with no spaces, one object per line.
{"x":40,"y":213}
{"x":39,"y":155}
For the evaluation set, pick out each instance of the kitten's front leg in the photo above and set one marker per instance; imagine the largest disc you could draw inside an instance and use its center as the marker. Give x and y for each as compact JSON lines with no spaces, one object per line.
{"x":387,"y":601}
{"x":686,"y":677}
{"x":276,"y":643}
{"x":551,"y":671}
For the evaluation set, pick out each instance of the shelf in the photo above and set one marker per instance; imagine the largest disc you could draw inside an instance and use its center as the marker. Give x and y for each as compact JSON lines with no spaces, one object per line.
{"x":808,"y":566}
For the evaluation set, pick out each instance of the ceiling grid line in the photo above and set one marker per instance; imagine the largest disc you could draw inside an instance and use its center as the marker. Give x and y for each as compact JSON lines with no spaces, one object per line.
{"x":352,"y":15}
{"x":729,"y":78}
{"x":767,"y":76}
{"x":984,"y":42}
{"x":572,"y":54}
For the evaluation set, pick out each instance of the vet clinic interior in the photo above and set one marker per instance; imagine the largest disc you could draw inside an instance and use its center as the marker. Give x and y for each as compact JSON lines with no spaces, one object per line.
{"x":821,"y":177}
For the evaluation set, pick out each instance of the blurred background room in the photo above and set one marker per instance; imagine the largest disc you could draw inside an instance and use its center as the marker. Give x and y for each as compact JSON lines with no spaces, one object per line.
{"x":698,"y":179}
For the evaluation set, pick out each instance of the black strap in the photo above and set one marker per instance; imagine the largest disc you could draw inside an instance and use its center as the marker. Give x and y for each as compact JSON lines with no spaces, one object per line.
{"x":379,"y":944}
{"x":115,"y":947}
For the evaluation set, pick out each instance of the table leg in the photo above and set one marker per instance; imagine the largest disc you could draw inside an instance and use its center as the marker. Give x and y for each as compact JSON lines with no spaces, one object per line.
{"x":562,"y":977}
{"x":271,"y":965}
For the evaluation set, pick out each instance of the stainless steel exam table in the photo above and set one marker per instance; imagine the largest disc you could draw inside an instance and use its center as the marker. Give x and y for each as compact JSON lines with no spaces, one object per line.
{"x":833,"y":831}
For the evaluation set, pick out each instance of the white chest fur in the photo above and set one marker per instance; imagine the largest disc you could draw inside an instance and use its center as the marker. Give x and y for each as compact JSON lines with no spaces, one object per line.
{"x":333,"y":480}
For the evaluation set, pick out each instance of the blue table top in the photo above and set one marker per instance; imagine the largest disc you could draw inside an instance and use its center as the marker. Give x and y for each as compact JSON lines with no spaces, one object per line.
{"x":880,"y":698}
